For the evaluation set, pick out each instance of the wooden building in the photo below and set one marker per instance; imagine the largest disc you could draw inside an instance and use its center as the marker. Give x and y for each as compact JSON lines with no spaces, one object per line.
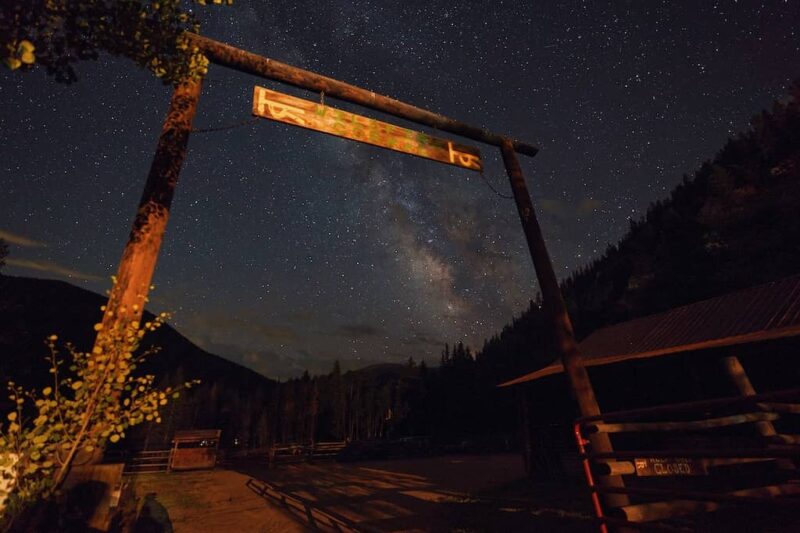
{"x":194,"y":449}
{"x":739,"y":343}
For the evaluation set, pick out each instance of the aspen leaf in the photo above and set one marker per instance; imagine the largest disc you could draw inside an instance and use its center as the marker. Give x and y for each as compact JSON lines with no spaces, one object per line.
{"x":13,"y":63}
{"x":26,"y":46}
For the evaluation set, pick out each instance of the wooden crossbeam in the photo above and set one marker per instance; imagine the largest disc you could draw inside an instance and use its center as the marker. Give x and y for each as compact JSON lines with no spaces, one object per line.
{"x":229,"y":56}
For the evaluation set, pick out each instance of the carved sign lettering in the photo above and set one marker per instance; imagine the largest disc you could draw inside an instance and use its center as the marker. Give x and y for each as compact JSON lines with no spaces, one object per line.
{"x":290,"y":110}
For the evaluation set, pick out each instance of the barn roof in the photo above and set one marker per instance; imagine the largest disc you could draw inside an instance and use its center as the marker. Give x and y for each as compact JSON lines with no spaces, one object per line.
{"x":760,"y":313}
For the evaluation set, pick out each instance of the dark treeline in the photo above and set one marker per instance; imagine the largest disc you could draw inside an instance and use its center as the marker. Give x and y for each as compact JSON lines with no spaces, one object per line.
{"x":734,"y":224}
{"x":453,"y":401}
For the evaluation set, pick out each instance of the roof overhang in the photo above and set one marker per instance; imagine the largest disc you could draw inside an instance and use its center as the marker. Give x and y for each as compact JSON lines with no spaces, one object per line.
{"x":759,"y":336}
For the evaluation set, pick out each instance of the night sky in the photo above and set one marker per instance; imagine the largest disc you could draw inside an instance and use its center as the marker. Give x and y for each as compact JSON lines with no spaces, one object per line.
{"x":288,"y":249}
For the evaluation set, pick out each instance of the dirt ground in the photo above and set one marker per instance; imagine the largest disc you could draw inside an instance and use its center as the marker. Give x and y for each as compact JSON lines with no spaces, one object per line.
{"x":217,"y":501}
{"x":451,"y":493}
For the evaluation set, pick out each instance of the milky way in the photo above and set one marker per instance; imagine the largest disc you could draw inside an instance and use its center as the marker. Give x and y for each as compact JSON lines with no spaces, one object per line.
{"x":288,"y":249}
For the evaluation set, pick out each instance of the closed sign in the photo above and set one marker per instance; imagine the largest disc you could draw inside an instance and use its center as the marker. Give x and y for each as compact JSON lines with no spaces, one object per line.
{"x":672,"y":466}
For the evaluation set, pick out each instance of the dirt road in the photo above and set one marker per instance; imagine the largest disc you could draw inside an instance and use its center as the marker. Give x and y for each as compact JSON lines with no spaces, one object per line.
{"x":450,"y":493}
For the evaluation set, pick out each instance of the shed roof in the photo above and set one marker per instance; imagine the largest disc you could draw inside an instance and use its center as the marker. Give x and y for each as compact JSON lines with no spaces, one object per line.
{"x":760,"y":313}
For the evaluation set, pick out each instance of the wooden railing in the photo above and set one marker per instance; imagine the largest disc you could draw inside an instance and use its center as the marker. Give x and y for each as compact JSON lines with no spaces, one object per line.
{"x":309,"y":512}
{"x":695,"y":457}
{"x":148,"y":462}
{"x":291,"y":453}
{"x":141,"y":462}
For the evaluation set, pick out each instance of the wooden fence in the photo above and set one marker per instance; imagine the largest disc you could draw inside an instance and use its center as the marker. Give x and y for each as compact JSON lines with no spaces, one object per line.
{"x":682,"y":459}
{"x":296,"y":453}
{"x":318,"y":519}
{"x":141,"y":462}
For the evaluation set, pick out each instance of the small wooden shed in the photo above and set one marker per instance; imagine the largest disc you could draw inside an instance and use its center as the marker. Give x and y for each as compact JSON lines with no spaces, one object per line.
{"x":194,"y":449}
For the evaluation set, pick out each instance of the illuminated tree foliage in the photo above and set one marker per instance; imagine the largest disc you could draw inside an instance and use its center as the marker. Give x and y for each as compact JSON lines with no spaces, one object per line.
{"x":94,"y":399}
{"x":58,"y":33}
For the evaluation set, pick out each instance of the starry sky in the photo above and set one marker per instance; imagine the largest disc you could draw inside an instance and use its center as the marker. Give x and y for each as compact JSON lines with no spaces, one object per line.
{"x":288,"y":249}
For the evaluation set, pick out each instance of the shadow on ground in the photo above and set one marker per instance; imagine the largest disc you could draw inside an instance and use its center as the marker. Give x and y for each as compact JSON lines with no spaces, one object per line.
{"x":153,"y":517}
{"x":462,"y":493}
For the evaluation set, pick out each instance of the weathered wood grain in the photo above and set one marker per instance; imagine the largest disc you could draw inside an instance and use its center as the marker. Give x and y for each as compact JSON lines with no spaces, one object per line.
{"x":319,"y":117}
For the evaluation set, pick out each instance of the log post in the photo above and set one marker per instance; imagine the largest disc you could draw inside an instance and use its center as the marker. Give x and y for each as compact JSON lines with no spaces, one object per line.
{"x":556,"y":309}
{"x":733,"y":367}
{"x":735,"y":370}
{"x":128,"y":295}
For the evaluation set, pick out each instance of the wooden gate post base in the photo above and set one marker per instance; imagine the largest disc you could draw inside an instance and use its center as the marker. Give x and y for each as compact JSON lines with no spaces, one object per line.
{"x":554,"y":306}
{"x":736,"y":373}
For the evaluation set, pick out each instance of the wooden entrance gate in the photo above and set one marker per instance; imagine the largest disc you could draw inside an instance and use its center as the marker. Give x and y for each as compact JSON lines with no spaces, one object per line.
{"x":129,"y":294}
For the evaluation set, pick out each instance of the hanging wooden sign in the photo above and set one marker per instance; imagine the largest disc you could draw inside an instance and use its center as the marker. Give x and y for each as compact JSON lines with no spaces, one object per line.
{"x":319,"y":117}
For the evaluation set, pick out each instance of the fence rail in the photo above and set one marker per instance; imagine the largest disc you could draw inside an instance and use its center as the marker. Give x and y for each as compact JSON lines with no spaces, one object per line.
{"x":293,"y":453}
{"x":142,"y":462}
{"x":307,"y":511}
